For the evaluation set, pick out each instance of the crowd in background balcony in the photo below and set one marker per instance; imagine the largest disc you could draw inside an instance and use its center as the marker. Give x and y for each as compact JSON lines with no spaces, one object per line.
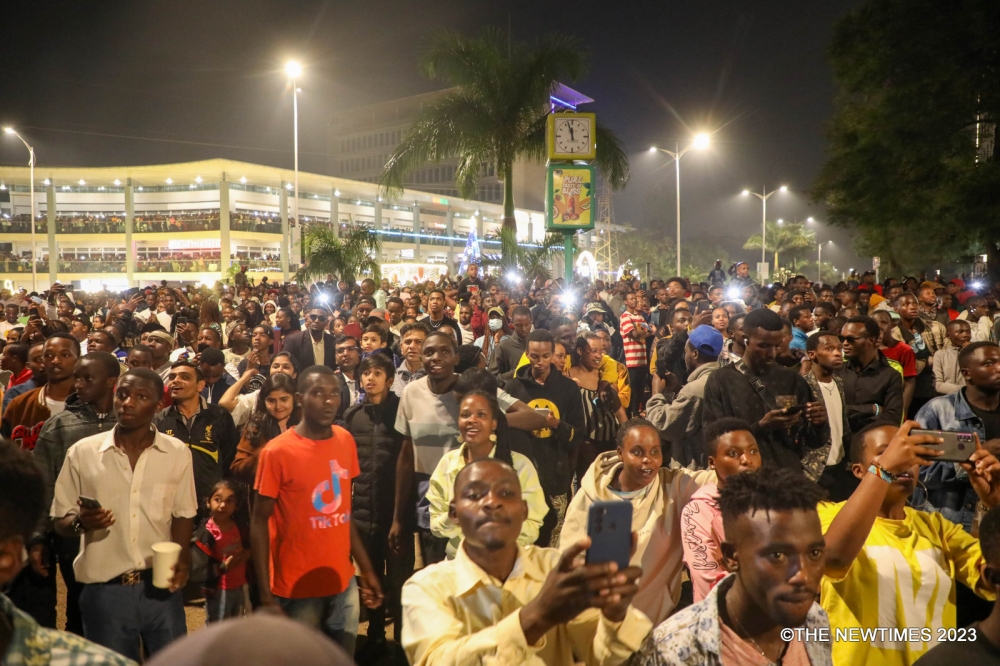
{"x":98,"y":223}
{"x":196,"y":220}
{"x":21,"y":224}
{"x":264,"y":223}
{"x":179,"y":262}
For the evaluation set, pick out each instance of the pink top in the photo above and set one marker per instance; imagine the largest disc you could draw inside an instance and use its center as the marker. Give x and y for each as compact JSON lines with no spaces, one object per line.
{"x":701,"y":537}
{"x":226,"y":544}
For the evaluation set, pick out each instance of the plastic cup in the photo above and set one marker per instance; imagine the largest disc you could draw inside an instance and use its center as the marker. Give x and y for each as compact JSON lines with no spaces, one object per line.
{"x":165,"y":556}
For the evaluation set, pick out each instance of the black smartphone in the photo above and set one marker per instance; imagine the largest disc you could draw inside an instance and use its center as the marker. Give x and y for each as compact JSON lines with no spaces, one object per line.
{"x":702,"y":306}
{"x":956,"y":447}
{"x":609,"y":526}
{"x":794,"y":409}
{"x":89,"y":503}
{"x":182,"y":320}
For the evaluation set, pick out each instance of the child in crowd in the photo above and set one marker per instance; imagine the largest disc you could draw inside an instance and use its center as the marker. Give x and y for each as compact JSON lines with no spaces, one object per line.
{"x":373,"y":339}
{"x":731,"y":450}
{"x":372,"y":424}
{"x":222,"y":550}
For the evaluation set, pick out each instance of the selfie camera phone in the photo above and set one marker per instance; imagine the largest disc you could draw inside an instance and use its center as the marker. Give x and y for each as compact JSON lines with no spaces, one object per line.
{"x":794,"y":409}
{"x":609,"y":526}
{"x":956,"y":447}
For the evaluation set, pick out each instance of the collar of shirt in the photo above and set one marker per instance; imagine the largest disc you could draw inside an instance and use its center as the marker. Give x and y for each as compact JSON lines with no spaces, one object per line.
{"x":469,"y":575}
{"x":697,"y":633}
{"x":109,"y":440}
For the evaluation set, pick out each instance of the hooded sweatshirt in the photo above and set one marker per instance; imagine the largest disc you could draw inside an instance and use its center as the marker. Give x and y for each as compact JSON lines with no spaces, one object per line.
{"x":656,"y":520}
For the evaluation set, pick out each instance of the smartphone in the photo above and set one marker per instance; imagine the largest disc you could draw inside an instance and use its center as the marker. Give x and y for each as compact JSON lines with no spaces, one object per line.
{"x":36,"y":300}
{"x":182,"y":320}
{"x":702,"y":306}
{"x":794,"y":409}
{"x":609,"y":526}
{"x":543,"y":412}
{"x":957,"y":446}
{"x":89,"y":503}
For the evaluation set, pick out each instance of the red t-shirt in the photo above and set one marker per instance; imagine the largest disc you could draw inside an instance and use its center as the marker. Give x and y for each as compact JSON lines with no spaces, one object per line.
{"x":226,"y":544}
{"x":903,"y":354}
{"x":310,"y":529}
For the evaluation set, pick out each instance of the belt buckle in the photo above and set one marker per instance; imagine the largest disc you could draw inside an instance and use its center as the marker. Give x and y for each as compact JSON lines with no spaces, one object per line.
{"x":131,"y":578}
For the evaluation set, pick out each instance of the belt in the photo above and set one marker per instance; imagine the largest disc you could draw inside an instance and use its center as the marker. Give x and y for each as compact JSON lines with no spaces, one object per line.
{"x":131,"y":578}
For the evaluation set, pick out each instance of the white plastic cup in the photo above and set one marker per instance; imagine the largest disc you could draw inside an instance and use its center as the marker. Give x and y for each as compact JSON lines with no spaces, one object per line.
{"x":165,"y":556}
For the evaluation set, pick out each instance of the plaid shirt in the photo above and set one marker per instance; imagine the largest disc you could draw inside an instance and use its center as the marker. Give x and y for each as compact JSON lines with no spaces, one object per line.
{"x":33,"y":645}
{"x":692,"y":637}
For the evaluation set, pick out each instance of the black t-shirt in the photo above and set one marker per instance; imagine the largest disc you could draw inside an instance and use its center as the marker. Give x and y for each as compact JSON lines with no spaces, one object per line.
{"x":991,"y":420}
{"x":980,"y":652}
{"x":445,"y":321}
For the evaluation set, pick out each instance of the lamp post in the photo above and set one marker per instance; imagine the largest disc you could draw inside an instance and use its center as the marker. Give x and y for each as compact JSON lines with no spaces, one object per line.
{"x":701,"y":141}
{"x":31,"y":163}
{"x":764,"y":196}
{"x":294,"y":71}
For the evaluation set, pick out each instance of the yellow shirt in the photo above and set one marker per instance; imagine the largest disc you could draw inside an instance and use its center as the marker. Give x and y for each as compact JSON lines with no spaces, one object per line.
{"x":442,"y":488}
{"x":904,"y":577}
{"x":456,"y":613}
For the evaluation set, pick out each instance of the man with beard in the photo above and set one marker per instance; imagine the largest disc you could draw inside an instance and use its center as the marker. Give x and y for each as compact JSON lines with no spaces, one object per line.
{"x":747,"y":615}
{"x":497,"y":601}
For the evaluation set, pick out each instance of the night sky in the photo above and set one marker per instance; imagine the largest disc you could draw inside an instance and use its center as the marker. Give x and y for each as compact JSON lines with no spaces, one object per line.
{"x":205,"y":79}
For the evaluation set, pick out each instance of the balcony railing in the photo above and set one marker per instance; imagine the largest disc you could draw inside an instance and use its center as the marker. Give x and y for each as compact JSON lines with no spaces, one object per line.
{"x":22,"y":266}
{"x":177,"y":265}
{"x":91,"y":266}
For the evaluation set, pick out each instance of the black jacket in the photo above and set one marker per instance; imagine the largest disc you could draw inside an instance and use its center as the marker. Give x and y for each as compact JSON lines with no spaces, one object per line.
{"x":299,"y":345}
{"x":506,"y":356}
{"x":374,"y":489}
{"x":729,"y":393}
{"x":878,"y":383}
{"x":552,"y":453}
{"x":212,"y":439}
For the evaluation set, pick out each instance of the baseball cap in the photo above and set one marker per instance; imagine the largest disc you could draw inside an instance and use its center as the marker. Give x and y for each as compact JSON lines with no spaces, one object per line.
{"x":377,"y":314}
{"x":706,"y":340}
{"x":932,"y":285}
{"x":353,"y":331}
{"x":958,"y":281}
{"x":496,"y":311}
{"x":594,"y":307}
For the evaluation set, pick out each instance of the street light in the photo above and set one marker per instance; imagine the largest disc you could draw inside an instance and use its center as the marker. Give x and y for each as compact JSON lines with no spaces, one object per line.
{"x":31,"y":163}
{"x":819,"y":260}
{"x":764,"y":196}
{"x":294,"y":72}
{"x":700,"y":142}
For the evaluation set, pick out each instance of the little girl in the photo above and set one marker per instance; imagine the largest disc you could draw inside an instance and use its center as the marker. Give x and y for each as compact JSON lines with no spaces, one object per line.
{"x":219,"y":548}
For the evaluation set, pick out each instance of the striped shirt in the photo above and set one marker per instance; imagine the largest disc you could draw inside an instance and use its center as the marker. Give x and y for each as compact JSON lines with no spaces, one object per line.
{"x":635,"y":350}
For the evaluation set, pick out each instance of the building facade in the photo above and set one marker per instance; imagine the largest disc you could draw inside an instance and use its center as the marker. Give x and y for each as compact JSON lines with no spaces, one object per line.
{"x":190,"y":222}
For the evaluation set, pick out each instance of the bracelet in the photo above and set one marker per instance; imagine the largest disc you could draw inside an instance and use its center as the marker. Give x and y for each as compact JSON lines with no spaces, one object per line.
{"x":878,"y":410}
{"x":881,"y":473}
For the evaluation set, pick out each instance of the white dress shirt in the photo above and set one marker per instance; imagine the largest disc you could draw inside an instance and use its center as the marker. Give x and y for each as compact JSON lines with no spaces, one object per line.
{"x":143,"y":501}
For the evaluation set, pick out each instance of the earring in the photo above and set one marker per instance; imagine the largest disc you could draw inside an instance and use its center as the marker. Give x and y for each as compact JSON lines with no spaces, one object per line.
{"x":493,"y":437}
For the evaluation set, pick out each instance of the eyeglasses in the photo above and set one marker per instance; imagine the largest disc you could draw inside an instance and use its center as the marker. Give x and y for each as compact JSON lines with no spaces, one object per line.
{"x":344,"y":350}
{"x":318,"y":317}
{"x":852,"y":339}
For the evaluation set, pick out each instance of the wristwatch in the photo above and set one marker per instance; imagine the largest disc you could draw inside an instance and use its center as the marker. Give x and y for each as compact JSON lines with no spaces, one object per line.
{"x":78,"y":528}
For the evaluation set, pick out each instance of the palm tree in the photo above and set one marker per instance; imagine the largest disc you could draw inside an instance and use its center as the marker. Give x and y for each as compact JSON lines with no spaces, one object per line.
{"x":782,"y":238}
{"x":359,"y":253}
{"x":529,"y":262}
{"x":496,"y":112}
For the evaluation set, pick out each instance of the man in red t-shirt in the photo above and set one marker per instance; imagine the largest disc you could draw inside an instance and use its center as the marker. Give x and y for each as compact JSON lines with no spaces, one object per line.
{"x":900,"y":352}
{"x":302,"y":534}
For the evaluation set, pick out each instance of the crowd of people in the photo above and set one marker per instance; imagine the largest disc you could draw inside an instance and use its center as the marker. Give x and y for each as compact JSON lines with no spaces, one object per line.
{"x":197,"y":220}
{"x":778,"y":448}
{"x":99,"y":223}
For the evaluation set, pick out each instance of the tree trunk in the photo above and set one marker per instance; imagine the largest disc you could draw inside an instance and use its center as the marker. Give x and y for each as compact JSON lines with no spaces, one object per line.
{"x":508,"y":198}
{"x":775,"y":261}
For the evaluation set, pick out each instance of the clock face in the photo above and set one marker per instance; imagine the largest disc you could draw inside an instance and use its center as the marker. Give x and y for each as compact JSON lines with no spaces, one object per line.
{"x":572,"y":136}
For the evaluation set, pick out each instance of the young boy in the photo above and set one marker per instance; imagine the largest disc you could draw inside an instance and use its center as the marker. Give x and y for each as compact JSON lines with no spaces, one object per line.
{"x":898,"y":353}
{"x":731,"y":450}
{"x":373,"y":339}
{"x":371,"y":423}
{"x":222,"y":549}
{"x":947,"y":375}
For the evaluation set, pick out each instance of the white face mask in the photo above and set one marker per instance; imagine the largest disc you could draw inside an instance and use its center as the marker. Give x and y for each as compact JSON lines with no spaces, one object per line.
{"x":496,"y":324}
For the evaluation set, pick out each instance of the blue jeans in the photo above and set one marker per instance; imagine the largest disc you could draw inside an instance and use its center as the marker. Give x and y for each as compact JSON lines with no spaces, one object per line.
{"x":337,"y":616}
{"x":117,"y":616}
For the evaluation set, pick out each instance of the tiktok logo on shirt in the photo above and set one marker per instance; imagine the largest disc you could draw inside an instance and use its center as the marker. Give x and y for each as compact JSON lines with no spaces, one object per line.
{"x":328,"y":519}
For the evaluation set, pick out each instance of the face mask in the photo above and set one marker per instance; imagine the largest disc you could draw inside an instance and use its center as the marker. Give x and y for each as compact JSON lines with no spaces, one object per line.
{"x":496,"y":325}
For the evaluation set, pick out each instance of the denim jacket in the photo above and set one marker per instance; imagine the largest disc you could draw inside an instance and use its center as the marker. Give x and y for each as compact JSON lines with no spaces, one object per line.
{"x":947,"y":484}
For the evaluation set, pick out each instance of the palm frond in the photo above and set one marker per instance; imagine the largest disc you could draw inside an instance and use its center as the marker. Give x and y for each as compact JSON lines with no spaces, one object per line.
{"x":359,"y":253}
{"x":611,"y":158}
